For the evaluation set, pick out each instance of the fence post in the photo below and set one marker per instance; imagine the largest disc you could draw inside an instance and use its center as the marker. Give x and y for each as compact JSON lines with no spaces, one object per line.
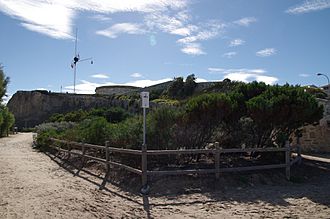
{"x":107,"y":157}
{"x":144,"y":189}
{"x":83,"y":160}
{"x":217,"y":160}
{"x":69,"y":150}
{"x":287,"y":160}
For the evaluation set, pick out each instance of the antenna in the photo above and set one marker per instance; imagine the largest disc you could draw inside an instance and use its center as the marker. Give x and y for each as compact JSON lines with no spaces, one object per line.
{"x":75,"y":61}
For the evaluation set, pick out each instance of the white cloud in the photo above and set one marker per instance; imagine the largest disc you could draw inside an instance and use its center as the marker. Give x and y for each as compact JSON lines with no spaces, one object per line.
{"x":147,"y":83}
{"x":176,"y":24}
{"x":54,"y":18}
{"x":193,"y":49}
{"x":245,"y":75}
{"x":41,"y":16}
{"x":229,"y":55}
{"x":136,"y":75}
{"x":206,"y":31}
{"x":200,"y":80}
{"x":245,"y":21}
{"x":215,"y":70}
{"x":236,"y":42}
{"x":6,"y":98}
{"x":304,"y":75}
{"x":101,"y":76}
{"x":237,"y":70}
{"x":86,"y":87}
{"x":101,"y":17}
{"x":116,"y":29}
{"x":309,"y":6}
{"x":266,"y":52}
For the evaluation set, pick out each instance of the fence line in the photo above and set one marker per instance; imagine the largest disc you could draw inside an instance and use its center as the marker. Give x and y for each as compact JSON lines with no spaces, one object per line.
{"x":144,"y":153}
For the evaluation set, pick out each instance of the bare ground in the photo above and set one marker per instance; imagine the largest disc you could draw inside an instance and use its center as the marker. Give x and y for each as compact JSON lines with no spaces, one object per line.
{"x":32,"y":185}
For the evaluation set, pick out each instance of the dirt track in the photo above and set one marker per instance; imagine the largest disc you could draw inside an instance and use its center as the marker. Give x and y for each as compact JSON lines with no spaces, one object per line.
{"x":32,"y":185}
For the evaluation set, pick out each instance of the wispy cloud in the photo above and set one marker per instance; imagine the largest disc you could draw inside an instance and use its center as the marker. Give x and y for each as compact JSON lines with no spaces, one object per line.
{"x":266,"y":52}
{"x":136,"y":75}
{"x":54,"y":18}
{"x":216,"y":70}
{"x":245,"y":75}
{"x":246,"y":21}
{"x":229,"y":55}
{"x":176,"y":24}
{"x":236,"y":70}
{"x":236,"y":42}
{"x":41,"y":16}
{"x":117,"y":29}
{"x":193,"y":49}
{"x":304,"y":75}
{"x":309,"y":6}
{"x":101,"y":76}
{"x":101,"y":17}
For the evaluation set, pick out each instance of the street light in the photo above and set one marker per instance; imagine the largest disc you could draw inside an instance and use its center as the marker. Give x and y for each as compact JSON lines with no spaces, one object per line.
{"x":319,"y":74}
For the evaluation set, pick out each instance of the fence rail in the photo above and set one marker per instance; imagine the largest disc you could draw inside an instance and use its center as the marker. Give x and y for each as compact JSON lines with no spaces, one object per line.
{"x":144,"y":153}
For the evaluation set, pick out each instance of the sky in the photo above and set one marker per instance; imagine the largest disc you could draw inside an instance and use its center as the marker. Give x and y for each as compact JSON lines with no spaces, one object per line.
{"x":144,"y":42}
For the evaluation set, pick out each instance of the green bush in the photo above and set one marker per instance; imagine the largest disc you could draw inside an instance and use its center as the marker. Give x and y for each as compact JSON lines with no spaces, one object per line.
{"x":93,"y":131}
{"x":160,"y":124}
{"x":127,"y":134}
{"x":281,"y":110}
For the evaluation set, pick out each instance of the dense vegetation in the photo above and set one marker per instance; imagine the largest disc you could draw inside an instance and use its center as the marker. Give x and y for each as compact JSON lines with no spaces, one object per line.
{"x":245,"y":115}
{"x":7,"y":119}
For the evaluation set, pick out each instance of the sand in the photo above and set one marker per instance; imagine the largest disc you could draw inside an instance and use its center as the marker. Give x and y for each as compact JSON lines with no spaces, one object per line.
{"x":32,"y":185}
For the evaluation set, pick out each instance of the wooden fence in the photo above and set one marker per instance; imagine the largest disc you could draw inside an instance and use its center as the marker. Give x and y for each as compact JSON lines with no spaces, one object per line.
{"x":144,"y":172}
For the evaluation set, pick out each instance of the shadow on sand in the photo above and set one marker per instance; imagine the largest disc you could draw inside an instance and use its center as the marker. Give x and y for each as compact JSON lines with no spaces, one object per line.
{"x":310,"y":180}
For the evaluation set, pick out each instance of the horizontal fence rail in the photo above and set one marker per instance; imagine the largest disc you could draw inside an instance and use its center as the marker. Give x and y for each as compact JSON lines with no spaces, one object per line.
{"x":143,"y":153}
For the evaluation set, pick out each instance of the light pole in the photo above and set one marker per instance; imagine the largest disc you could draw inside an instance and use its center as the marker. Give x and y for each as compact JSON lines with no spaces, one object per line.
{"x":320,"y":74}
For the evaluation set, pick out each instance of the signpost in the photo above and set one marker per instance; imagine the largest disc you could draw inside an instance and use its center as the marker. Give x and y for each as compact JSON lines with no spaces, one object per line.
{"x":144,"y":105}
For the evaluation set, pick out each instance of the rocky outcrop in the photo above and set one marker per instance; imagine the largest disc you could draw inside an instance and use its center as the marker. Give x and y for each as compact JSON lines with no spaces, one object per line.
{"x":31,"y":108}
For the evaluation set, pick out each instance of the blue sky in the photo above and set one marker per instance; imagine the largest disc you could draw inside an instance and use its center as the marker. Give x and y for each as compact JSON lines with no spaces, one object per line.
{"x":142,"y":42}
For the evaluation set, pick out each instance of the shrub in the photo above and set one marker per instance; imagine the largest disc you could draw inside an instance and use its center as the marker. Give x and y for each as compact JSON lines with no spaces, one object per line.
{"x":94,"y":130}
{"x":160,"y":124}
{"x":280,"y":110}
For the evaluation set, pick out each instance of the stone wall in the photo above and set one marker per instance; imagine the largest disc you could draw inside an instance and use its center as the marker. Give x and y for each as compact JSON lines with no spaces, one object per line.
{"x":115,"y":90}
{"x":317,"y":138}
{"x":31,"y":108}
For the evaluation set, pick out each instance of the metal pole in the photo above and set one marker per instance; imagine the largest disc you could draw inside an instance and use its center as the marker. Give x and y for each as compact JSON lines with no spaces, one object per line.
{"x":145,"y":188}
{"x":74,"y":79}
{"x":144,"y":127}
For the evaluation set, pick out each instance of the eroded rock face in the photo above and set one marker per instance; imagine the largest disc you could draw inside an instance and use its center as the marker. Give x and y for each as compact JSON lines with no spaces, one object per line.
{"x":31,"y":108}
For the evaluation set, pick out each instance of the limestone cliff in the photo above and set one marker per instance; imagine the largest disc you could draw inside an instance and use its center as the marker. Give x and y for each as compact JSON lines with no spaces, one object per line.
{"x":31,"y":108}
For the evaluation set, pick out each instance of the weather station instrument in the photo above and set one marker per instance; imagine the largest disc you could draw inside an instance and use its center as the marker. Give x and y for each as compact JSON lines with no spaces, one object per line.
{"x":75,"y":61}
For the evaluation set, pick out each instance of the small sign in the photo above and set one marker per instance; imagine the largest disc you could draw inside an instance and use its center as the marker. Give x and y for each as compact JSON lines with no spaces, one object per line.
{"x":145,"y":99}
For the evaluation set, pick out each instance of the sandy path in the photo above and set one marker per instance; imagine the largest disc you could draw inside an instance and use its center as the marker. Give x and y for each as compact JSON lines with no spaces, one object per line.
{"x":34,"y":186}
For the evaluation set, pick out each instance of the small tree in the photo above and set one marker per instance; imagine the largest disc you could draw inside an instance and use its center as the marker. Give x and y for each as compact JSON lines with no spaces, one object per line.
{"x":280,"y":110}
{"x":202,"y":115}
{"x":8,"y":121}
{"x":175,"y":88}
{"x":179,"y":89}
{"x":3,"y":83}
